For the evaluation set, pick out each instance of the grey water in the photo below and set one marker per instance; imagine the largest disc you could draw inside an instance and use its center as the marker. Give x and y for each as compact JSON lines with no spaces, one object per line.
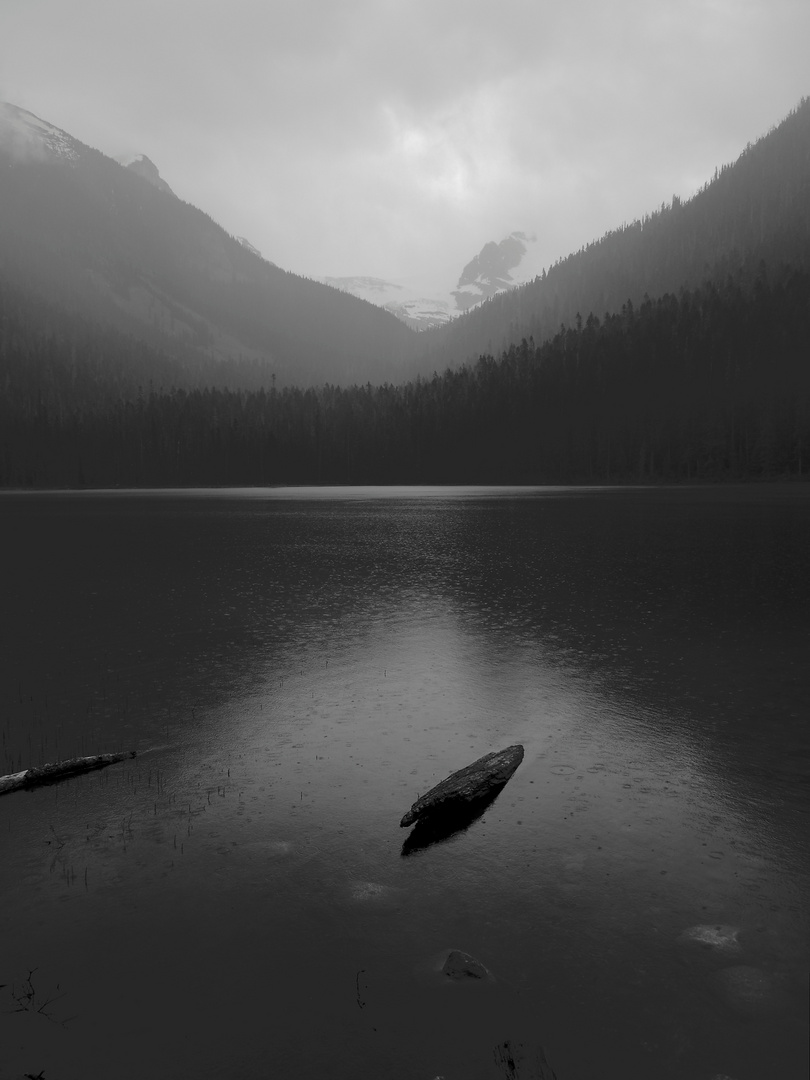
{"x":294,"y":667}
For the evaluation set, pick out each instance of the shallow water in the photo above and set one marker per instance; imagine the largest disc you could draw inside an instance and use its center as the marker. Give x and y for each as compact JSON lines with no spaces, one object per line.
{"x":295,"y":668}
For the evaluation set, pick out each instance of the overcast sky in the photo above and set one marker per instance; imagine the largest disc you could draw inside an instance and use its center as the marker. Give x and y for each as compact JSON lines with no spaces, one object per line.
{"x":394,"y":138}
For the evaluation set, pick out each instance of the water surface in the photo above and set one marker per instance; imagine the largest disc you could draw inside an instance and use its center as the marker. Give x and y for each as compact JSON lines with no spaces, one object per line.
{"x":295,"y":667}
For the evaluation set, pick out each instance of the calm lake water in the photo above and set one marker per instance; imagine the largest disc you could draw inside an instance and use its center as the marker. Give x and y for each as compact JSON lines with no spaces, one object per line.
{"x":294,"y":668}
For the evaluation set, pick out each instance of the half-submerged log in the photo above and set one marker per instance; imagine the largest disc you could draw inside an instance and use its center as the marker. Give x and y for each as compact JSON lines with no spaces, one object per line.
{"x":59,"y":770}
{"x":467,"y":787}
{"x":437,"y":828}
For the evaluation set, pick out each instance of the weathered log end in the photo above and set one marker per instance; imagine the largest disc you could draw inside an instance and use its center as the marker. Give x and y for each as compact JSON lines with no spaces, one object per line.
{"x":467,"y":786}
{"x":12,"y":782}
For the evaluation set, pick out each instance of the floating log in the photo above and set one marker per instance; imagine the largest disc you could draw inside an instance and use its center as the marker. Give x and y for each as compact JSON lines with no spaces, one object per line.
{"x":59,"y":770}
{"x":467,"y":787}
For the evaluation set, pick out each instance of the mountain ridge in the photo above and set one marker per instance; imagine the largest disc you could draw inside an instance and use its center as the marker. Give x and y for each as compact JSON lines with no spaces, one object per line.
{"x":756,"y":208}
{"x":584,"y":377}
{"x":26,"y":136}
{"x":144,"y":167}
{"x":498,"y":267}
{"x":118,"y":249}
{"x":83,"y":230}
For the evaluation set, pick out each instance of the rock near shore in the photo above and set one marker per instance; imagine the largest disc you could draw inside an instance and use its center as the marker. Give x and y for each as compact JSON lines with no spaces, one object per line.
{"x":460,"y":965}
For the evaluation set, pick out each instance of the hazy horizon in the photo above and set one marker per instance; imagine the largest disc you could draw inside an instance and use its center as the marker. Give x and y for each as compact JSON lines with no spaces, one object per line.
{"x":394,"y":141}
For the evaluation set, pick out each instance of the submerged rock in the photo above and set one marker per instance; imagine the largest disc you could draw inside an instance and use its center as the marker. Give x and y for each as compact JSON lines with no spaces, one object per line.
{"x":460,"y":965}
{"x":468,"y":786}
{"x":720,"y":937}
{"x":370,"y":891}
{"x":750,"y":990}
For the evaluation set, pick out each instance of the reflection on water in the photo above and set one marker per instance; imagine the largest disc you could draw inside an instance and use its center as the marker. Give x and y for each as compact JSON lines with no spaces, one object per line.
{"x":295,"y":668}
{"x":430,"y":831}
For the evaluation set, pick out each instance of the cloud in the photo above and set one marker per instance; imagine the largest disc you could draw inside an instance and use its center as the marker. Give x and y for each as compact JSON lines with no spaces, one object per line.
{"x":380,"y":137}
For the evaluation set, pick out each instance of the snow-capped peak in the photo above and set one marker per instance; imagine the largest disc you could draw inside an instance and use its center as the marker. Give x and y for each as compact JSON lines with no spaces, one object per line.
{"x":26,"y":137}
{"x":418,"y":311}
{"x":496,"y":268}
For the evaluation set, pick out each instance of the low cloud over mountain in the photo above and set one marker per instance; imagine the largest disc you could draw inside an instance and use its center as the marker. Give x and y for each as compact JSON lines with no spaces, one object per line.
{"x":110,"y":241}
{"x":497,"y":268}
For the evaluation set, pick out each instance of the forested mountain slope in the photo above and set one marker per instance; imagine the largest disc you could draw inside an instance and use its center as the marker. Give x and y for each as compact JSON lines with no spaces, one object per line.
{"x":756,"y":209}
{"x":78,"y":229}
{"x":712,"y":384}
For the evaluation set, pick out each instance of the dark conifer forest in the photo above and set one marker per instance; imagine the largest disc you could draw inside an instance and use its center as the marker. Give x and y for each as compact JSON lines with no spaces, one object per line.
{"x":757,"y":209}
{"x":676,"y":349}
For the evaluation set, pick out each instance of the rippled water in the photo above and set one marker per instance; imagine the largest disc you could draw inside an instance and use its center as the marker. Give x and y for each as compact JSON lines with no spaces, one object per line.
{"x":294,"y":669}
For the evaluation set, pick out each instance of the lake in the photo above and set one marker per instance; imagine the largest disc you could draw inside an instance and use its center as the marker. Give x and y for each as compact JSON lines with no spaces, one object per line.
{"x":295,"y":667}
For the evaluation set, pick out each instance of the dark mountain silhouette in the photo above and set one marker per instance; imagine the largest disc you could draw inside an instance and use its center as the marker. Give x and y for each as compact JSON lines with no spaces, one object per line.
{"x":490,"y":271}
{"x":497,"y":267}
{"x":756,"y":209}
{"x":80,"y":230}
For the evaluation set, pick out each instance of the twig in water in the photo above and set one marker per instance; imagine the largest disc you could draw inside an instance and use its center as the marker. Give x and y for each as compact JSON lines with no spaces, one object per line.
{"x":27,"y":999}
{"x":361,"y":1004}
{"x":60,"y":843}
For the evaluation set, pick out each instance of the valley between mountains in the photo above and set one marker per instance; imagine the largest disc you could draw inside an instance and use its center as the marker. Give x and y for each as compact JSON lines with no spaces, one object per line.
{"x":142,"y":345}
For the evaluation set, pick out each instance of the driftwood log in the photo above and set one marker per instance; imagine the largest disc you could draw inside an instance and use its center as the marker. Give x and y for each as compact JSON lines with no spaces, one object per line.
{"x":59,"y":770}
{"x":463,"y":789}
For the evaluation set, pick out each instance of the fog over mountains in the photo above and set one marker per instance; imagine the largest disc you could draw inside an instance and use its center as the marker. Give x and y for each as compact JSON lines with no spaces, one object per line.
{"x":142,"y":344}
{"x":754,"y":210}
{"x":114,"y":243}
{"x":497,"y":268}
{"x":112,"y":240}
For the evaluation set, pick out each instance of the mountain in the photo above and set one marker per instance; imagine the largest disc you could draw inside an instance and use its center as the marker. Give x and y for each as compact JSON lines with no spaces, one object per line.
{"x":408,"y":304}
{"x":711,"y":384}
{"x":24,"y":137}
{"x":757,"y":209}
{"x":497,"y":268}
{"x":248,"y":246}
{"x":144,"y":167}
{"x":114,"y":244}
{"x":673,"y":349}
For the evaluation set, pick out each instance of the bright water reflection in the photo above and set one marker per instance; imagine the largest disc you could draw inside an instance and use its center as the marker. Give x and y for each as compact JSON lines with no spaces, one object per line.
{"x":299,"y":667}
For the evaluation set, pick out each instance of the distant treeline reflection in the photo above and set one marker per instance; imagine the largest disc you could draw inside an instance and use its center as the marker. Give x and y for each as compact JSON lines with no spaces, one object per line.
{"x":713,"y":383}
